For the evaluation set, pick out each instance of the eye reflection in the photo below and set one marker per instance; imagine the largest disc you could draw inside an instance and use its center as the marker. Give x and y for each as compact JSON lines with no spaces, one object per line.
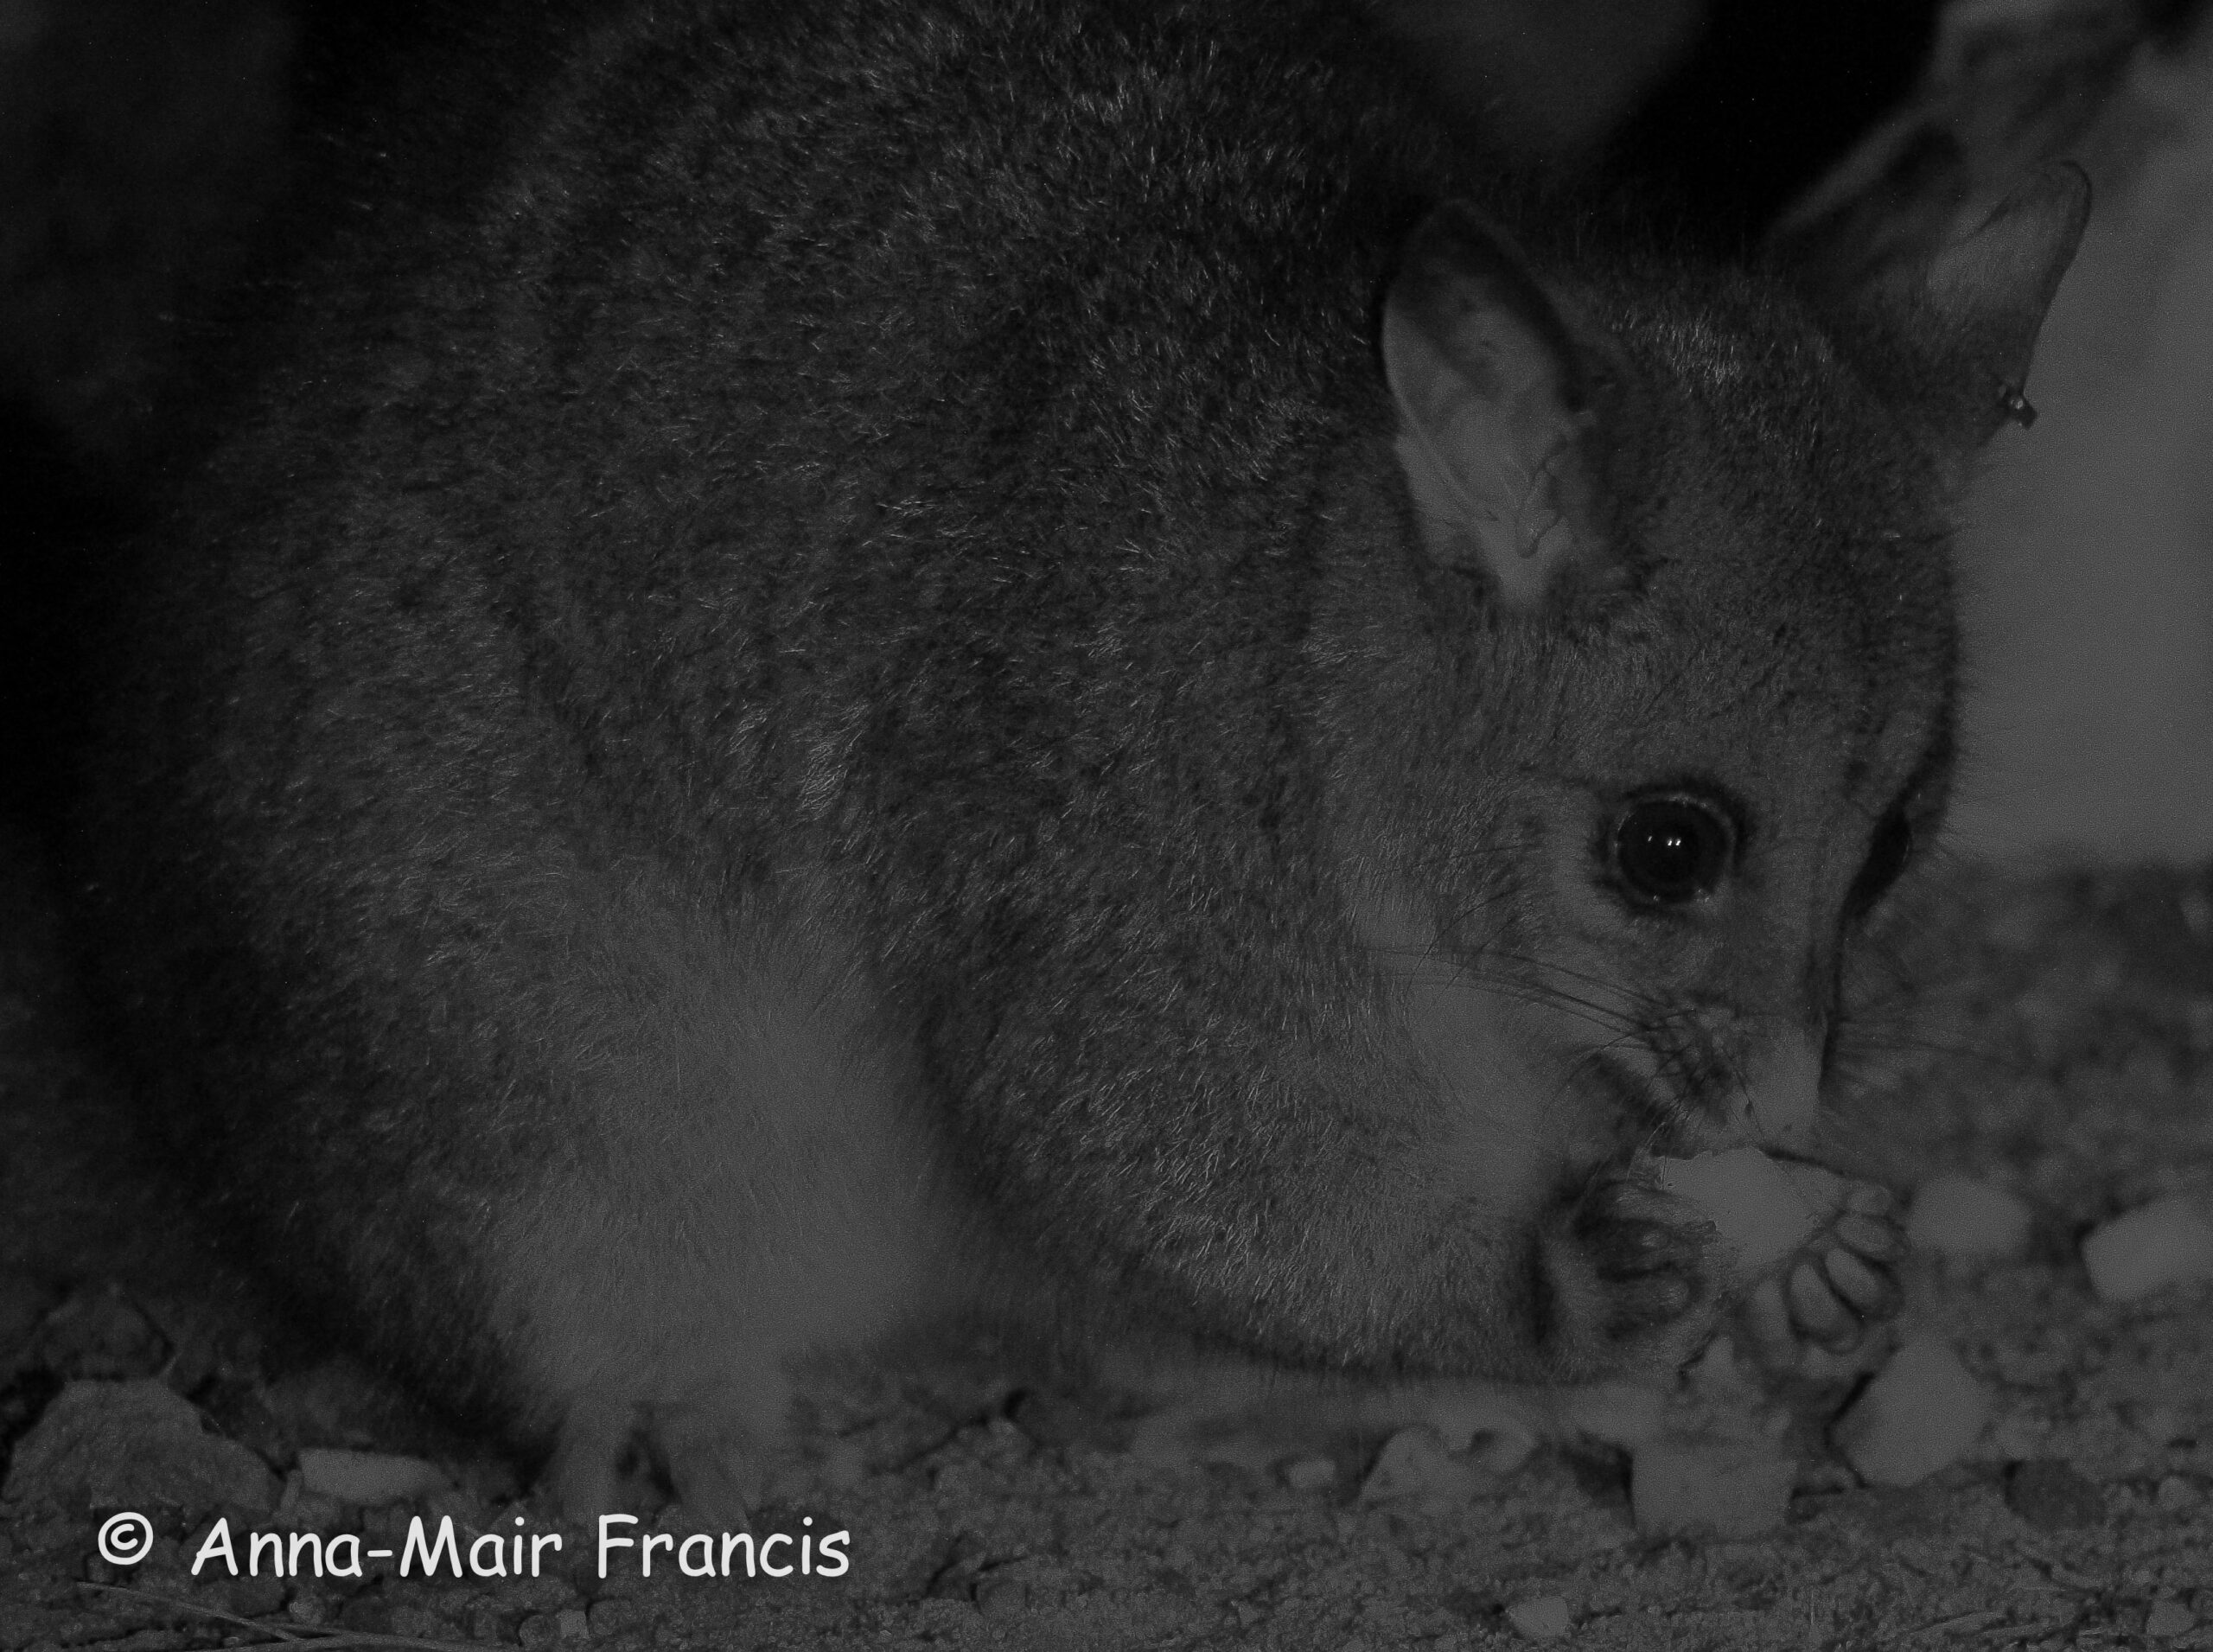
{"x":1671,"y":850}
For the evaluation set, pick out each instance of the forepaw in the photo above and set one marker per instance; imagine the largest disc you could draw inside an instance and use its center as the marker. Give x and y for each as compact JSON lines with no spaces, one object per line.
{"x":1635,"y":1270}
{"x":1835,"y":1288}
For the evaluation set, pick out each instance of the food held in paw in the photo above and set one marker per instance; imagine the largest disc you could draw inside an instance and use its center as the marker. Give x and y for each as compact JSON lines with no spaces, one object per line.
{"x":1763,"y":1208}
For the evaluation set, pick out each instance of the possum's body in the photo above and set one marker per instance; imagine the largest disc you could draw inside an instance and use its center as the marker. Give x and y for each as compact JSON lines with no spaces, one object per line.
{"x":850,"y":695}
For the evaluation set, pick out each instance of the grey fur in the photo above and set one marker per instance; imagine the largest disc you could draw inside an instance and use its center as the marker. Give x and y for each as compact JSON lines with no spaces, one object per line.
{"x":888,"y":512}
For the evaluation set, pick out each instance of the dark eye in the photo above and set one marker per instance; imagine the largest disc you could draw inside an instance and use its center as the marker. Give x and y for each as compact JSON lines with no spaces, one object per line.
{"x":1886,"y":859}
{"x":1669,"y":850}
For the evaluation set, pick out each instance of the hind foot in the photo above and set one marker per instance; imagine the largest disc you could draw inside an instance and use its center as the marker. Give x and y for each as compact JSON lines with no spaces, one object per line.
{"x":719,"y":1452}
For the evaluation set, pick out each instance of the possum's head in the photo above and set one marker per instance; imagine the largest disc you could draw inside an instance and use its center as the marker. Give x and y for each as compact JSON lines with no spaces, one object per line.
{"x":1685,"y":709}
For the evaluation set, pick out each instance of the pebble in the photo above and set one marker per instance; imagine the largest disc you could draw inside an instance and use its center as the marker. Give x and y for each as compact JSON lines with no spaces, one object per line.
{"x":1310,"y":1473}
{"x":1919,"y":1413}
{"x":2169,"y":1618}
{"x":1964,"y":1219}
{"x":97,"y":1335}
{"x":1541,"y":1617}
{"x":2166,"y":1242}
{"x":2159,"y":1424}
{"x":2051,"y":1497}
{"x":1414,"y":1465}
{"x":128,"y":1443}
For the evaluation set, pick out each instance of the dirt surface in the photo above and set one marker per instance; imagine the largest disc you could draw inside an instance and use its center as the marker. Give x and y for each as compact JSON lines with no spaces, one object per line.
{"x":2052,"y":1036}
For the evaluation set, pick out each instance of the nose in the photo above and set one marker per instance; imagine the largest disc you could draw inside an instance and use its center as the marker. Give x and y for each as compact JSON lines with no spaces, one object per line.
{"x":1782,"y":1094}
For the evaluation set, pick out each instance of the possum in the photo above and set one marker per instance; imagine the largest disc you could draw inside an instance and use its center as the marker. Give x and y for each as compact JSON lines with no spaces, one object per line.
{"x":1026,"y":658}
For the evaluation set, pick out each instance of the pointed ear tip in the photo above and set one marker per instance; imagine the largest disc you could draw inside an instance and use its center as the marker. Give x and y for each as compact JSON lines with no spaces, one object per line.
{"x":1452,"y":231}
{"x":2070,"y":175}
{"x":2059,"y":192}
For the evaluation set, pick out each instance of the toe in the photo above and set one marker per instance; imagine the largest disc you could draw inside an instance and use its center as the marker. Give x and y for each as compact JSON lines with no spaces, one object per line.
{"x":1767,"y":1323}
{"x":1868,"y":1291}
{"x":1871,"y":1199}
{"x":1819,"y":1312}
{"x":1870,"y":1236}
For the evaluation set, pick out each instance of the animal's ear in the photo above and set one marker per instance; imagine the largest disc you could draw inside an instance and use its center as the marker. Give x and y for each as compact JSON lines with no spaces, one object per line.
{"x":1499,"y":388}
{"x":1961,"y":310}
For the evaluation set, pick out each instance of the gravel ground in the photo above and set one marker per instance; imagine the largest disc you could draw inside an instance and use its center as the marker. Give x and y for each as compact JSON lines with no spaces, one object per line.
{"x":2051,"y":1034}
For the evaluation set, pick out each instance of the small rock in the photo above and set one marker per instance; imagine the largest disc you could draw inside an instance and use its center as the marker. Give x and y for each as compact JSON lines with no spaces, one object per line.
{"x":2173,"y":1495}
{"x":1413,"y":1466}
{"x":302,"y":1511}
{"x":615,"y":1615}
{"x":571,"y":1624}
{"x":1310,"y":1473}
{"x":368,"y":1612}
{"x":999,"y":1596}
{"x":1963,"y":1219}
{"x":255,"y":1596}
{"x":2161,"y":1425}
{"x":1541,"y":1617}
{"x":369,"y":1479}
{"x":2048,"y":1495}
{"x":2165,"y":1242}
{"x":1709,"y":1487}
{"x":537,"y":1632}
{"x":419,"y":1624}
{"x":489,"y":1621}
{"x":1917,"y":1414}
{"x":100,"y":1335}
{"x":128,"y":1443}
{"x":2169,"y":1618}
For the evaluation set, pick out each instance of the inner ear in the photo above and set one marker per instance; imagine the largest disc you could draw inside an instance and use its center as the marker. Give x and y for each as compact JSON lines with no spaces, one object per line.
{"x":1989,"y":288}
{"x":1498,"y":385}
